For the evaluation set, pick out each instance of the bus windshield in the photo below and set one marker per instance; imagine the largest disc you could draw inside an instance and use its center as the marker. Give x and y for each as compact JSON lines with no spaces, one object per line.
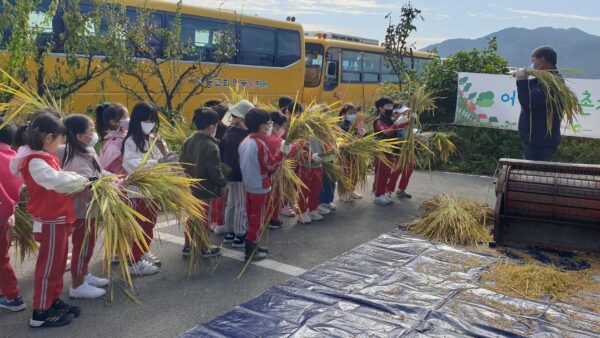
{"x":313,"y":65}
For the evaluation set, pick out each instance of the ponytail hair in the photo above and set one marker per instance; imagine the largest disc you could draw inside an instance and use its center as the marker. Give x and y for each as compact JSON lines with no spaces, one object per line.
{"x":43,"y":123}
{"x":77,"y":124}
{"x":106,"y":112}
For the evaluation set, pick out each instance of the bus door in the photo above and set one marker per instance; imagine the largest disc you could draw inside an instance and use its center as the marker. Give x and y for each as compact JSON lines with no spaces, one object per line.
{"x":331,"y":88}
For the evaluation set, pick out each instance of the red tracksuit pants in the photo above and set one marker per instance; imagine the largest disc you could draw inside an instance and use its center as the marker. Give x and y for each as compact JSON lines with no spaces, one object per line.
{"x":8,"y":279}
{"x":218,"y":211}
{"x":143,"y":208}
{"x":51,"y":263}
{"x":405,"y":172}
{"x":309,"y":195}
{"x":257,"y":210}
{"x":383,"y":173}
{"x":83,"y":246}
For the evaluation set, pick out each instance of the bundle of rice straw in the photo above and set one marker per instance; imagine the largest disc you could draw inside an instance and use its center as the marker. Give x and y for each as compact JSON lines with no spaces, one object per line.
{"x":559,"y":97}
{"x":24,"y":100}
{"x":112,"y":210}
{"x":452,"y":222}
{"x":285,"y":184}
{"x":25,"y":243}
{"x":480,"y":211}
{"x":532,"y":280}
{"x":238,"y":93}
{"x":421,"y":150}
{"x":316,"y":123}
{"x":167,"y":188}
{"x":176,"y":131}
{"x":356,"y":154}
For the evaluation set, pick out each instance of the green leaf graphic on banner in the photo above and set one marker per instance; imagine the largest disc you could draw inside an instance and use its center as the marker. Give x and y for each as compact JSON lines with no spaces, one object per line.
{"x":493,"y":119}
{"x":463,"y":80}
{"x":472,"y":96}
{"x":485,"y":99}
{"x":467,"y":87}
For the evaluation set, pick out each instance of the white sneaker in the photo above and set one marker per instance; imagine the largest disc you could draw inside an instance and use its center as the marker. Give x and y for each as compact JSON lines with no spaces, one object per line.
{"x":143,"y":268}
{"x":315,"y":216}
{"x":382,"y":200}
{"x":388,"y":196}
{"x":96,"y":281}
{"x":356,"y":196}
{"x":219,"y":230}
{"x":86,"y":291}
{"x":331,"y":206}
{"x":323,"y":209}
{"x":304,"y":218}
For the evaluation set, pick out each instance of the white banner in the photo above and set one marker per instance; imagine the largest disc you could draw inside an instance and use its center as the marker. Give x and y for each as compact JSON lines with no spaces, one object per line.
{"x":487,"y":100}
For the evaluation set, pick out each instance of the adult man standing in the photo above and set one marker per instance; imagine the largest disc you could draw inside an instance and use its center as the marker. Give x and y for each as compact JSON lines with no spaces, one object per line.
{"x":539,"y":141}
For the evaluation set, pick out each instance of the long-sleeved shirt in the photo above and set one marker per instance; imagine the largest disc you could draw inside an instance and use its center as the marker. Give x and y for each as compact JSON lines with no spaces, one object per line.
{"x":200,"y":159}
{"x":386,"y":128}
{"x":133,"y":158}
{"x":229,"y":151}
{"x":111,"y":158}
{"x":257,"y":164}
{"x":533,"y":129}
{"x":10,"y":186}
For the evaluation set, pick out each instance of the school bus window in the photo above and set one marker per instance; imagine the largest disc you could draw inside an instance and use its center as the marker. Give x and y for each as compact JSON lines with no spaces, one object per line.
{"x":44,"y":26}
{"x":351,"y":66}
{"x":288,"y":47}
{"x":257,"y":46}
{"x":202,"y":35}
{"x":371,"y":67}
{"x":331,"y":71}
{"x":155,"y":22}
{"x":313,"y":64}
{"x":387,"y":72}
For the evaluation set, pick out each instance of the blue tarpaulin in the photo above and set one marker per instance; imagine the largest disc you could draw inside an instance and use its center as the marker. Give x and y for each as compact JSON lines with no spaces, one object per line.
{"x":398,"y":286}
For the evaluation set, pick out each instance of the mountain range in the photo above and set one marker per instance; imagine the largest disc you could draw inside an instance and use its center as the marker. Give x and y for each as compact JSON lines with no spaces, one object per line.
{"x":576,"y":49}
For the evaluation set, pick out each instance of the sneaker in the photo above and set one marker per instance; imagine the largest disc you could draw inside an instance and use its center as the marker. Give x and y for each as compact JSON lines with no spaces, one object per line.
{"x":403,"y":194}
{"x":229,"y":237}
{"x":275,"y":225}
{"x":49,"y":318}
{"x":238,"y":242}
{"x":262,"y":249}
{"x":287,"y":211}
{"x":253,"y":251}
{"x":304,"y":218}
{"x":143,"y":268}
{"x":186,"y":251}
{"x":315,"y":215}
{"x":388,"y":196}
{"x":115,"y":259}
{"x":331,"y":206}
{"x":323,"y":209}
{"x":14,"y":305}
{"x":152,"y":259}
{"x":382,"y":200}
{"x":63,"y":307}
{"x":212,"y":252}
{"x":219,"y":230}
{"x":96,"y":281}
{"x":86,"y":291}
{"x":356,"y":196}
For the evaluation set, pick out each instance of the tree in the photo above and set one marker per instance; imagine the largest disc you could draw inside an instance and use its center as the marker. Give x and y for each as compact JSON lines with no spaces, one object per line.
{"x":36,"y":28}
{"x":441,"y":76}
{"x":396,"y":41}
{"x":149,"y":68}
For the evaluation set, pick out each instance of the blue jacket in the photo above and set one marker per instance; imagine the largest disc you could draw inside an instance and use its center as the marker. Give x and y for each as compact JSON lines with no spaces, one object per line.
{"x":532,"y":120}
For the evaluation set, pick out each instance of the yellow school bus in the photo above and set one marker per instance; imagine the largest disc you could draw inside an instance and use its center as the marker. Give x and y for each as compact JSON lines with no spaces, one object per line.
{"x":341,"y":68}
{"x":269,"y":58}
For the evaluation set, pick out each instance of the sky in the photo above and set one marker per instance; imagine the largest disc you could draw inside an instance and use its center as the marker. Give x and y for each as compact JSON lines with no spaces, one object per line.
{"x":443,"y":19}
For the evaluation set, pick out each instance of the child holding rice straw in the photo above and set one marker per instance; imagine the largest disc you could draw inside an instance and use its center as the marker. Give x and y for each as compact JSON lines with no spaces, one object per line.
{"x":140,"y":136}
{"x":78,"y":155}
{"x":10,"y":189}
{"x":51,"y":207}
{"x":401,"y":113}
{"x":112,"y":120}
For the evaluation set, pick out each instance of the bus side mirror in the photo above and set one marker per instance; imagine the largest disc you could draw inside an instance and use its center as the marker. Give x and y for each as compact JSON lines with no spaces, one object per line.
{"x":332,"y":68}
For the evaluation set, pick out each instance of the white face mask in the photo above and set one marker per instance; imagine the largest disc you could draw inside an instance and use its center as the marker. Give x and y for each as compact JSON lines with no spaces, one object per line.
{"x":124,"y":123}
{"x":270,"y":130}
{"x":147,"y":127}
{"x":93,"y":141}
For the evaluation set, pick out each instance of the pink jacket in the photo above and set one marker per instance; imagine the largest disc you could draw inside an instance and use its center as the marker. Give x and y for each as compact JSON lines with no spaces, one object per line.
{"x":111,"y":158}
{"x":10,"y":186}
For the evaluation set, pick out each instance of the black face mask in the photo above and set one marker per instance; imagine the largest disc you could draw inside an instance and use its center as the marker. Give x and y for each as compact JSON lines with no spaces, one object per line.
{"x":388,"y":112}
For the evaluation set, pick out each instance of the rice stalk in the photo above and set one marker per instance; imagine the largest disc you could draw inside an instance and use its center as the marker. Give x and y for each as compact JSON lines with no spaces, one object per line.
{"x":176,"y":131}
{"x":480,"y":211}
{"x":238,"y":93}
{"x":316,"y":123}
{"x":112,"y":210}
{"x":560,"y":99}
{"x":166,"y":188}
{"x":335,"y":173}
{"x":25,"y":244}
{"x":451,"y":222}
{"x":25,"y":100}
{"x":285,"y":184}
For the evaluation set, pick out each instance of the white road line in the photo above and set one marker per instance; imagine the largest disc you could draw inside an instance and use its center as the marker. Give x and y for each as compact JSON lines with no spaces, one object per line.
{"x":238,"y":256}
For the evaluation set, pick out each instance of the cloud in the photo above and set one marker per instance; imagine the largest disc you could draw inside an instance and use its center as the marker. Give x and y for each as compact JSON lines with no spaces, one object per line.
{"x":554,"y":15}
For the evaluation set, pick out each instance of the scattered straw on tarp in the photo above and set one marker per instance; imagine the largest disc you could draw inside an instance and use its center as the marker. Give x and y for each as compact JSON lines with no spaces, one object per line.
{"x":452,"y":221}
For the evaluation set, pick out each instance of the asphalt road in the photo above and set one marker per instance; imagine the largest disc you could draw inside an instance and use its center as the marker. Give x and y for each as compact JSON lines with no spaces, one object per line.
{"x":172,"y":302}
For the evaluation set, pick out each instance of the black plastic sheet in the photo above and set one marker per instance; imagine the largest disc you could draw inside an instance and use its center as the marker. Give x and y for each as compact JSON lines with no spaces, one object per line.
{"x":398,"y":286}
